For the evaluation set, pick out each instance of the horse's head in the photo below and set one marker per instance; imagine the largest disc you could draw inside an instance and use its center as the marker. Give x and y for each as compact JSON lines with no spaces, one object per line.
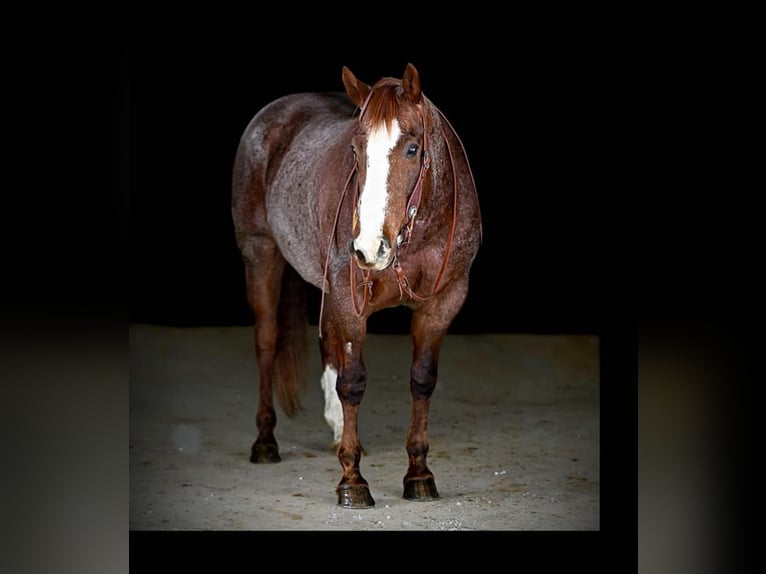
{"x":389,"y":150}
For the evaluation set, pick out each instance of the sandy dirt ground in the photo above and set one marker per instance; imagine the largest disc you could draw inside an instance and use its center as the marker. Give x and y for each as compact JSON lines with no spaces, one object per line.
{"x":514,"y":436}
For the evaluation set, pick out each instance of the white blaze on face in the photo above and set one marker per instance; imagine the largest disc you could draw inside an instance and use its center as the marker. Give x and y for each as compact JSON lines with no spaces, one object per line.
{"x":333,"y":411}
{"x":373,"y":199}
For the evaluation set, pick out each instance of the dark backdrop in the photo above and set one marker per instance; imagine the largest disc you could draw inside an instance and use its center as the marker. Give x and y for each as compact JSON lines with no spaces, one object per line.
{"x":545,"y":131}
{"x":554,"y":126}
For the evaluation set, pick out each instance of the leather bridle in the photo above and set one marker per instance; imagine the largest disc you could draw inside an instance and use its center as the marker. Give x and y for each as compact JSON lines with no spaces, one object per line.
{"x":405,"y":230}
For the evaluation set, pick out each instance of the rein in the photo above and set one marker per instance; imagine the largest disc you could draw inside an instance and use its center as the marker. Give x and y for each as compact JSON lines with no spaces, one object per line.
{"x":405,"y":231}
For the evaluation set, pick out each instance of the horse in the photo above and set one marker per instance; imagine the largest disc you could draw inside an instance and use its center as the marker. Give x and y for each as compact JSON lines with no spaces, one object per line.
{"x":375,"y":210}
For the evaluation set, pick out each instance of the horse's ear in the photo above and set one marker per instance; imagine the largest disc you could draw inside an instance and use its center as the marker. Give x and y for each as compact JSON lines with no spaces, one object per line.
{"x":411,"y":84}
{"x":356,"y":89}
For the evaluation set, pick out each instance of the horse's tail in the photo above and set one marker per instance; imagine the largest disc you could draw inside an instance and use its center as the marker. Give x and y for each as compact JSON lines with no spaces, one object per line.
{"x":290,"y":360}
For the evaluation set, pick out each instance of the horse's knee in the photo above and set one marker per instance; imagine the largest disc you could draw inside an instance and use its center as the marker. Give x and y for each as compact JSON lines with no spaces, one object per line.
{"x":422,"y":382}
{"x":352,"y":383}
{"x":423,"y":375}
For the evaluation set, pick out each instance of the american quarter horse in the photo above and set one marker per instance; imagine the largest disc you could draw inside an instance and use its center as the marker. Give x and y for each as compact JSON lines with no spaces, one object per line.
{"x":375,"y":210}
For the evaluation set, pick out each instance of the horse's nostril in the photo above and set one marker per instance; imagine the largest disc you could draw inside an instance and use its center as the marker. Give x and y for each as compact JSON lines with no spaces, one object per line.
{"x":360,"y":256}
{"x":385,"y":246}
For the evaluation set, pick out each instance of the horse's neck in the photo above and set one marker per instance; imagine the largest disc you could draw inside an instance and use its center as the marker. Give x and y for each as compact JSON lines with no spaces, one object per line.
{"x":440,"y":185}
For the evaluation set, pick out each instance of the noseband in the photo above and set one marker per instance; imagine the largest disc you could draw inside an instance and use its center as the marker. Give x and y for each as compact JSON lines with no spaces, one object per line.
{"x":405,"y":230}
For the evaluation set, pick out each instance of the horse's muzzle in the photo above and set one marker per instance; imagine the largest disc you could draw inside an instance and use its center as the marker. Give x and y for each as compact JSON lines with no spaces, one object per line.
{"x":375,"y":259}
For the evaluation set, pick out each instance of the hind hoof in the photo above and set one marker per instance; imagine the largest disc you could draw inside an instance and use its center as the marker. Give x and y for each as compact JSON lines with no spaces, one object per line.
{"x":354,"y":496}
{"x":420,"y":489}
{"x":264,"y":453}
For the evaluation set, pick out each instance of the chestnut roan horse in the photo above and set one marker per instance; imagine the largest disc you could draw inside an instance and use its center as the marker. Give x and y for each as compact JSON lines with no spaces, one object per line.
{"x":376,"y":210}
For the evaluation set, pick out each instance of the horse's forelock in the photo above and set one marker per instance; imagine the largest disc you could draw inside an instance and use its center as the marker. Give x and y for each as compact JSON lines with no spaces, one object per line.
{"x":382,"y":108}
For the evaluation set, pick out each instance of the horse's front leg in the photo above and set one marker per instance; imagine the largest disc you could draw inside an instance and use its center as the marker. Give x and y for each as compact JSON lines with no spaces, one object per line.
{"x":429,"y":326}
{"x":419,"y":483}
{"x":353,"y":490}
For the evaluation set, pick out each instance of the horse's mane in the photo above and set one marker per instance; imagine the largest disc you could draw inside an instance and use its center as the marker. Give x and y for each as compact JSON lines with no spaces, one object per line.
{"x":382,"y":107}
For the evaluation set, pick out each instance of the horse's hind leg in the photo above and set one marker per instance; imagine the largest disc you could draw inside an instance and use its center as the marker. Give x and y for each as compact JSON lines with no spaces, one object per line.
{"x":263,"y":271}
{"x":333,"y":410}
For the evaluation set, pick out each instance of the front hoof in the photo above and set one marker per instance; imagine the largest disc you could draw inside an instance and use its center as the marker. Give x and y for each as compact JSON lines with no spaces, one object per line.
{"x":354,"y":496}
{"x":264,"y":453}
{"x":420,"y":489}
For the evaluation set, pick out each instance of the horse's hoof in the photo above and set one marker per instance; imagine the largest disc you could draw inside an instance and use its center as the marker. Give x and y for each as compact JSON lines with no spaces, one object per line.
{"x":420,"y":489}
{"x":264,"y":453}
{"x":354,"y":496}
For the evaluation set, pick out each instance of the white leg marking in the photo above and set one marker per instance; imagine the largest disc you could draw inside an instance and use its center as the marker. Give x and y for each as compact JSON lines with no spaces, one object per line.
{"x":374,"y":197}
{"x":333,"y":412}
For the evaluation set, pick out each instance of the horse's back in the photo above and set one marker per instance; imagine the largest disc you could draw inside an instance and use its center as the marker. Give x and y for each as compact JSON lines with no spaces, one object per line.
{"x":279,"y":121}
{"x":276,"y":127}
{"x":275,"y":188}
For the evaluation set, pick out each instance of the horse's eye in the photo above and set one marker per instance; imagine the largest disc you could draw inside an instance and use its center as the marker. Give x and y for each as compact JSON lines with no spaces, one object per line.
{"x":411,"y":151}
{"x":353,"y":151}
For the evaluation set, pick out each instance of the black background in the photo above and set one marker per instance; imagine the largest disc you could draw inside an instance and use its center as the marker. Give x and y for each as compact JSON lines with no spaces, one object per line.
{"x":544,"y":129}
{"x":549,"y":128}
{"x":601,"y":143}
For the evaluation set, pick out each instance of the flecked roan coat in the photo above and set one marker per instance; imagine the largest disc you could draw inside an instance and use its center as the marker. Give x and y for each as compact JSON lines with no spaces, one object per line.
{"x":304,"y":212}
